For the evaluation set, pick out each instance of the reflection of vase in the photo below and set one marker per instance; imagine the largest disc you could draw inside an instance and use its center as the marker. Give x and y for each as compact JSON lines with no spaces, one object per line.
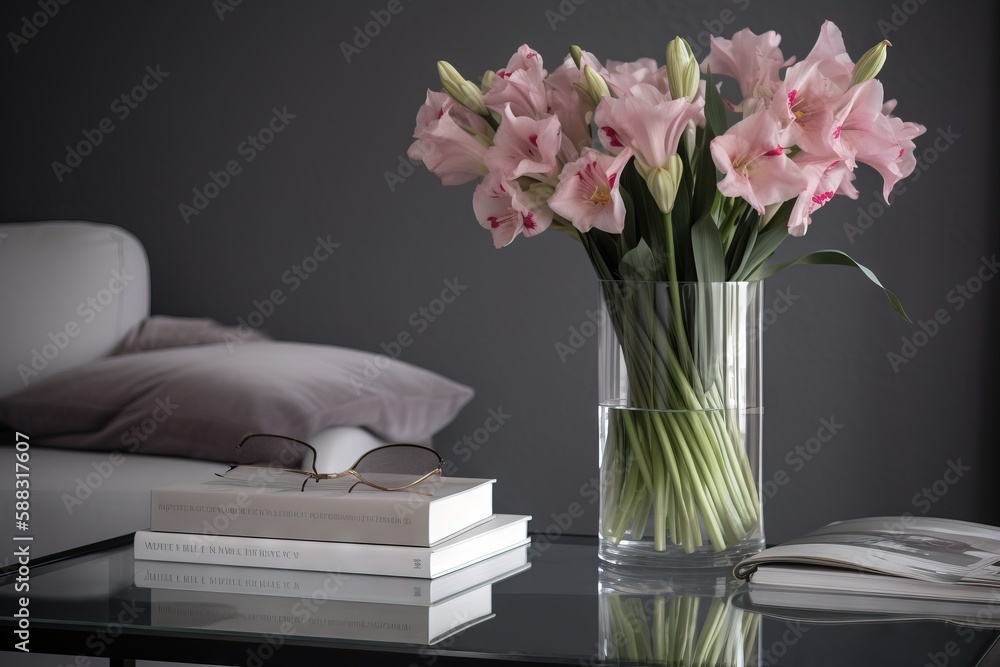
{"x":674,"y":617}
{"x":680,"y":423}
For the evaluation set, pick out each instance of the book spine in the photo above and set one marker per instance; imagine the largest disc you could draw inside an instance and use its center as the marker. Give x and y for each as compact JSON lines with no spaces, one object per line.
{"x":336,"y":557}
{"x":259,"y":614}
{"x":402,"y":518}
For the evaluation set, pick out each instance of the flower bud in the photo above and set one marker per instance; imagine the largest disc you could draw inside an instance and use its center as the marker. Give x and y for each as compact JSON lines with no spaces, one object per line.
{"x":488,"y":77}
{"x":576,"y":54}
{"x":682,"y":69}
{"x":464,"y":92}
{"x":871,"y":63}
{"x":664,"y":182}
{"x":541,"y":190}
{"x":597,"y":87}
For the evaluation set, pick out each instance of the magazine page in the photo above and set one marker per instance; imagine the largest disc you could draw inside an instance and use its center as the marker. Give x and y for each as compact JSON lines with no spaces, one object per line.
{"x":922,"y":548}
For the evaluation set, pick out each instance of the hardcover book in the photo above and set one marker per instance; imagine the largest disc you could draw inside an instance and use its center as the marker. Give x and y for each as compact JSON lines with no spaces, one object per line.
{"x":499,"y":533}
{"x":347,"y":587}
{"x":899,"y":567}
{"x":313,"y":615}
{"x":420,"y":516}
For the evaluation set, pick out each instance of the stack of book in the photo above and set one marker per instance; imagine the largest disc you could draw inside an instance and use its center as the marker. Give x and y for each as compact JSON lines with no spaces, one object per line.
{"x":410,"y":566}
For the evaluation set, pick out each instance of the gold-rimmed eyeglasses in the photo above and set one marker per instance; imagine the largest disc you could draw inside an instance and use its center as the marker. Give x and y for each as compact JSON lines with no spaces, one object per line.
{"x":391,"y":467}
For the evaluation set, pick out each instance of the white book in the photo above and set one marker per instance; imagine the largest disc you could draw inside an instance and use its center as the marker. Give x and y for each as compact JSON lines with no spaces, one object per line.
{"x":499,"y":533}
{"x":313,"y":615}
{"x":421,"y":516}
{"x":347,"y":587}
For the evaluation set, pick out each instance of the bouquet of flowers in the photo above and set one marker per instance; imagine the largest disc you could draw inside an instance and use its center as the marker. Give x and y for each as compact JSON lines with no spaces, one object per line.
{"x":639,"y":164}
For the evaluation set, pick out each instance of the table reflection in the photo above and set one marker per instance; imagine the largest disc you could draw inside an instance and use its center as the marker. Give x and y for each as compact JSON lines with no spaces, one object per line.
{"x":674,"y":617}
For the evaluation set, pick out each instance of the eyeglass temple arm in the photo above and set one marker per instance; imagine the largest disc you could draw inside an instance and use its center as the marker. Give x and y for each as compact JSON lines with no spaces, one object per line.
{"x":283,"y":437}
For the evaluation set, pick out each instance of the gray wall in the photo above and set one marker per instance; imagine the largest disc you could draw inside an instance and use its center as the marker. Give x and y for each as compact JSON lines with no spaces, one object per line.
{"x":325,"y":175}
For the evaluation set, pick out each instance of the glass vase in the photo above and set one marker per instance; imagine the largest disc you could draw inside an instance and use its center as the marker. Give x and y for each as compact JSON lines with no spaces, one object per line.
{"x":678,"y":617}
{"x":679,"y":381}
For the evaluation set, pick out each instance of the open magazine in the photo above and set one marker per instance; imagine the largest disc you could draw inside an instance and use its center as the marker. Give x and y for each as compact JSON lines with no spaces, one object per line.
{"x":901,"y":567}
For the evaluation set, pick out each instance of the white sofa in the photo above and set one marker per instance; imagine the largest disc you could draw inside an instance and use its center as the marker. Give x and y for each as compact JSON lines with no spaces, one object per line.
{"x":69,"y":293}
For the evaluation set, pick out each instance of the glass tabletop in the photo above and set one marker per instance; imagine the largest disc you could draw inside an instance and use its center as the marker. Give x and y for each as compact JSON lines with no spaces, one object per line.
{"x":561,"y":607}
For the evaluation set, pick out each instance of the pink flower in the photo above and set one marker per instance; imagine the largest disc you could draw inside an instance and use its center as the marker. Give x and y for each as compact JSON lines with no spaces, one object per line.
{"x":647,"y":121}
{"x":521,"y":85}
{"x":895,"y":162}
{"x":803,"y":104}
{"x":755,"y":166}
{"x":830,"y":53}
{"x":451,"y":140}
{"x":588,"y":194}
{"x":621,"y":76}
{"x":859,"y":125}
{"x":753,"y":60}
{"x":823,"y":182}
{"x":568,"y":104}
{"x":506,"y":211}
{"x":523,"y":146}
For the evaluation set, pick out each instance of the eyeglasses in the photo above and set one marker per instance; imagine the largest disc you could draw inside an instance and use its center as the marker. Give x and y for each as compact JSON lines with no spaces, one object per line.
{"x":392,"y":467}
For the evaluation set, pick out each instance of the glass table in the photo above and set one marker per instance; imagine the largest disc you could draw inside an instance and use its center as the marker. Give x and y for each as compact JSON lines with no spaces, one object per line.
{"x":563,"y":609}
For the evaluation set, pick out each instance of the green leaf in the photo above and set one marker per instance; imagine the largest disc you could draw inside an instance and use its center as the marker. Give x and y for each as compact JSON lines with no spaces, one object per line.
{"x":706,"y":179}
{"x":715,"y":108}
{"x":707,"y":246}
{"x":639,"y":263}
{"x":680,"y":222}
{"x":768,"y":240}
{"x":836,"y":258}
{"x":602,"y":249}
{"x":630,"y":233}
{"x":647,"y":216}
{"x":738,"y":254}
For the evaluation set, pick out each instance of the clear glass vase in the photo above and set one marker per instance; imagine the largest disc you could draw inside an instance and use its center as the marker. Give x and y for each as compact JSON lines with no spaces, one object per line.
{"x":679,"y":381}
{"x":678,"y":617}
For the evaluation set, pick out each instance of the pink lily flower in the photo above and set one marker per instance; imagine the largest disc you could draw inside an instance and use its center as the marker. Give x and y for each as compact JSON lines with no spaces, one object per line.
{"x":895,"y":162}
{"x":588,"y":192}
{"x":753,"y":60}
{"x":829,"y":51}
{"x":859,"y":125}
{"x":621,"y":76}
{"x":754,"y":165}
{"x":452,"y":141}
{"x":521,"y":85}
{"x":647,"y":121}
{"x":507,"y":211}
{"x":806,"y":114}
{"x":524,"y":146}
{"x":823,"y":182}
{"x":573,"y":108}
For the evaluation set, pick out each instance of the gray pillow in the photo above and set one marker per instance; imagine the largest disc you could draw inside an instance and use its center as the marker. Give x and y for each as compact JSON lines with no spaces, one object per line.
{"x":160,"y":331}
{"x":199,"y":401}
